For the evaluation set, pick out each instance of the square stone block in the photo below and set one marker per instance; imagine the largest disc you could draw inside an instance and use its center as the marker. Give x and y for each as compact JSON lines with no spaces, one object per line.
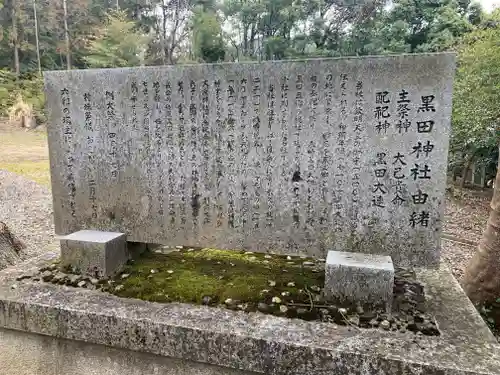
{"x":359,"y":278}
{"x":94,"y":253}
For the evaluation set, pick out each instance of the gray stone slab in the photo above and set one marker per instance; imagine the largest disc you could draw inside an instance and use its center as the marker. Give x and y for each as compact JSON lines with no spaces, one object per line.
{"x":290,"y":156}
{"x":31,"y":354}
{"x":359,"y":278}
{"x":94,"y":253}
{"x":255,"y":342}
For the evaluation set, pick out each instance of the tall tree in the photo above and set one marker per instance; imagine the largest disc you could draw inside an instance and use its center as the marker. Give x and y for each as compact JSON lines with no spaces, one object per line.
{"x":207,"y":41}
{"x":15,"y":35}
{"x":66,"y":35}
{"x":117,"y":44}
{"x":35,"y":16}
{"x":477,"y":115}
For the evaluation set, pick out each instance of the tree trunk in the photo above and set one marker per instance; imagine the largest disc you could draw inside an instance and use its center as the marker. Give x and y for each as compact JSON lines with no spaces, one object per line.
{"x":9,"y":247}
{"x":66,"y":33}
{"x":37,"y":39}
{"x":467,"y":165}
{"x":15,"y":37}
{"x":163,"y":37}
{"x":482,"y":277}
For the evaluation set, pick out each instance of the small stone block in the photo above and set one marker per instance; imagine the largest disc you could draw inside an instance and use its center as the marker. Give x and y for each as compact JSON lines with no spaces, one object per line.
{"x":94,"y":253}
{"x":359,"y":278}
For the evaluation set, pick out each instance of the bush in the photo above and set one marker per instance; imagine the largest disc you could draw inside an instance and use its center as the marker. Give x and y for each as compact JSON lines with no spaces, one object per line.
{"x":28,"y":86}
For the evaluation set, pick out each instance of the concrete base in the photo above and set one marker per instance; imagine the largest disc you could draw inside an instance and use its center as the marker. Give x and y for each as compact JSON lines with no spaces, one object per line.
{"x":94,"y":253}
{"x":195,"y":339}
{"x":359,"y":278}
{"x":31,"y":354}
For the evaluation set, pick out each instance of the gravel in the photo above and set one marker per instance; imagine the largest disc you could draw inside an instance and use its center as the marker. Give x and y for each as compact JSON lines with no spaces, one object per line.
{"x":26,"y":208}
{"x":456,"y":256}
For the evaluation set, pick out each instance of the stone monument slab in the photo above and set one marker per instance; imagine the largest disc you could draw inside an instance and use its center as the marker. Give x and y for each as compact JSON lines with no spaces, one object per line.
{"x":289,"y":156}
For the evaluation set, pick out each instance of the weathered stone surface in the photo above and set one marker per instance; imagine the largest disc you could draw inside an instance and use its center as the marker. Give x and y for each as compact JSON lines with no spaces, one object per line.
{"x":356,"y":277}
{"x":293,"y":156}
{"x":254,"y":342}
{"x":32,"y":354}
{"x":94,"y":253}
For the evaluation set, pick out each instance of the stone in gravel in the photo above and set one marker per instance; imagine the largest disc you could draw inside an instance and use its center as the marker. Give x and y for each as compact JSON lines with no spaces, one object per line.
{"x":264,"y":291}
{"x":206,"y":300}
{"x":170,"y":271}
{"x":308,"y":264}
{"x":272,"y":283}
{"x":262,"y":307}
{"x":301,"y":311}
{"x":267,"y":256}
{"x":360,"y":310}
{"x":22,"y":277}
{"x":94,"y":281}
{"x":354,"y":320}
{"x":47,"y":275}
{"x":342,"y":311}
{"x":58,"y":278}
{"x":82,"y":283}
{"x":333,"y":310}
{"x":179,"y":247}
{"x":119,"y":287}
{"x":324,"y":313}
{"x":74,"y":279}
{"x":419,"y":318}
{"x":276,"y":300}
{"x":315,"y":288}
{"x":283,"y":309}
{"x":285,"y":294}
{"x":374,"y":323}
{"x":243,"y":306}
{"x":229,"y":301}
{"x":385,"y":324}
{"x":125,"y":275}
{"x":289,"y":257}
{"x":153,"y":271}
{"x":290,"y":284}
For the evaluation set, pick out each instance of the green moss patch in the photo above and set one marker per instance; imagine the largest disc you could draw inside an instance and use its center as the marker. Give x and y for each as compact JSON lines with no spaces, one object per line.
{"x":237,"y":279}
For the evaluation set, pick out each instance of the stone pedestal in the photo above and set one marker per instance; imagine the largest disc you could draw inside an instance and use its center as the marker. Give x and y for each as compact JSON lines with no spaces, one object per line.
{"x":94,"y":253}
{"x":359,"y":278}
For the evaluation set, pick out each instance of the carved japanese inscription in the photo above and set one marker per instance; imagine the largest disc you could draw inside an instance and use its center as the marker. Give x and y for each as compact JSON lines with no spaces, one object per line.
{"x":290,"y":157}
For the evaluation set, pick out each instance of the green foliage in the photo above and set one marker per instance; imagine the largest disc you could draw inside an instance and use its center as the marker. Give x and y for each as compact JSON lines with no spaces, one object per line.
{"x":476,"y":113}
{"x":208,"y":45}
{"x":117,"y":44}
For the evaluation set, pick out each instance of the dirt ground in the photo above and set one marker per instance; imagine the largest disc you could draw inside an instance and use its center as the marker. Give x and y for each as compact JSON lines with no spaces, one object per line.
{"x":25,"y":153}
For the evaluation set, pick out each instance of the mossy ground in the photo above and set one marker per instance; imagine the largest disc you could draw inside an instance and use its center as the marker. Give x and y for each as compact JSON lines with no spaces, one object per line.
{"x":246,"y":279}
